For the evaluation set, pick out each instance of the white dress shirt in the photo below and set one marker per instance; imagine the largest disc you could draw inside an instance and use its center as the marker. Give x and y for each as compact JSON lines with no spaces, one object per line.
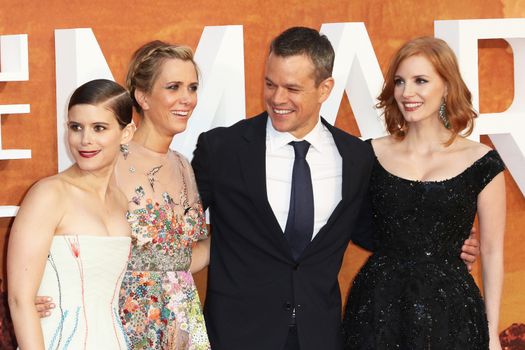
{"x":326,"y":168}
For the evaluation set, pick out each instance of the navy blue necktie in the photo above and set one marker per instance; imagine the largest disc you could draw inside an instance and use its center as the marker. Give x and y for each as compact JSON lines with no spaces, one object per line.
{"x":300,"y":222}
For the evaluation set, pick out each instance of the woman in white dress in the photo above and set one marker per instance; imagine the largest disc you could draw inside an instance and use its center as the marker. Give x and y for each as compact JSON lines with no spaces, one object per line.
{"x":70,"y":239}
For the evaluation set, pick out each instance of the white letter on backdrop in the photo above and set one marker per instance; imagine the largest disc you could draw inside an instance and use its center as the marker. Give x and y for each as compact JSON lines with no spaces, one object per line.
{"x":357,"y":72}
{"x":506,"y":129}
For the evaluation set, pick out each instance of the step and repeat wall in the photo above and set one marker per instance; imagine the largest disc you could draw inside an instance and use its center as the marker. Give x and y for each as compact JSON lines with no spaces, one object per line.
{"x":49,"y":48}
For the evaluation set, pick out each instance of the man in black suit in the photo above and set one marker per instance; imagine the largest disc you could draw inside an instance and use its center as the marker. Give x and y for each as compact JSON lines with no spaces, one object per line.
{"x":268,"y":288}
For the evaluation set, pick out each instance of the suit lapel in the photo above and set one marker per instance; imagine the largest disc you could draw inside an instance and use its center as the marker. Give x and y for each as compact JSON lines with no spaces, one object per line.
{"x":253,"y":163}
{"x":346,"y":155}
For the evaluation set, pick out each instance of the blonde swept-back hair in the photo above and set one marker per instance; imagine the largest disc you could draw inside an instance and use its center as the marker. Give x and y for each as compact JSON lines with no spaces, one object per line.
{"x":146,"y":62}
{"x":459,"y":108}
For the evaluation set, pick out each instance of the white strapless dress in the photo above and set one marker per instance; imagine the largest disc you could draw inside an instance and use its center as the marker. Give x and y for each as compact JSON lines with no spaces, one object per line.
{"x":83,"y":276}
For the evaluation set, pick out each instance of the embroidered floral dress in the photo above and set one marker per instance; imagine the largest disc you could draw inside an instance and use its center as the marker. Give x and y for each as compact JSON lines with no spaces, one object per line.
{"x":160,"y":307}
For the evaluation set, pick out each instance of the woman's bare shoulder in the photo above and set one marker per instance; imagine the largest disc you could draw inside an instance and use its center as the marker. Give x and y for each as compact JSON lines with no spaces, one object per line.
{"x":472,"y":150}
{"x":43,"y":204}
{"x":383,"y":144}
{"x":51,"y":187}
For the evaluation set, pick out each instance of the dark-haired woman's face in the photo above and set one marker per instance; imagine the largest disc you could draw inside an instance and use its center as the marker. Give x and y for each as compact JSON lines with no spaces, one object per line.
{"x":173,"y":97}
{"x":94,"y":136}
{"x":419,"y":89}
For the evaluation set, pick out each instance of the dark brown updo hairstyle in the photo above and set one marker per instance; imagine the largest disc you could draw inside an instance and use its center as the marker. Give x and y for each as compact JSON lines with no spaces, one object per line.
{"x":108,"y":94}
{"x":146,"y":63}
{"x":459,"y":108}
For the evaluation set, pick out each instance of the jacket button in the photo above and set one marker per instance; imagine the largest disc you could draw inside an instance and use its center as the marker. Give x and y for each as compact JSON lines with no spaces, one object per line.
{"x":287,"y":306}
{"x":296,"y":267}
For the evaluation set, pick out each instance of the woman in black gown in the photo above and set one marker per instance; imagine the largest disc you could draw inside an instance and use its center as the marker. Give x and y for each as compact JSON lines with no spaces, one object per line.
{"x":427,"y":185}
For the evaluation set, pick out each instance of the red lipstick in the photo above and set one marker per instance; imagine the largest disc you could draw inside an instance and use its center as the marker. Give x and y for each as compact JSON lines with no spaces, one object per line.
{"x":88,"y":154}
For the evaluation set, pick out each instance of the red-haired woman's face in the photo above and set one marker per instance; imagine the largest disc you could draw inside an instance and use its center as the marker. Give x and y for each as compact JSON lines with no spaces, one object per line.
{"x":418,"y":89}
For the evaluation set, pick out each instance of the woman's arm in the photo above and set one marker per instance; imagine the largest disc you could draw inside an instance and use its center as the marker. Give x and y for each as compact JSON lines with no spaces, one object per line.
{"x":29,"y":243}
{"x":491,"y":215}
{"x":200,"y":256}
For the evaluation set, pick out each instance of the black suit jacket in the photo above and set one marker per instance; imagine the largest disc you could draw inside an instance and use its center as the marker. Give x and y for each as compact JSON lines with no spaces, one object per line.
{"x":253,"y":280}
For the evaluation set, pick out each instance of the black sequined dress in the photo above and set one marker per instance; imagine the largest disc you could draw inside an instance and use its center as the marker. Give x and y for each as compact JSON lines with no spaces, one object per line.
{"x":414,"y":292}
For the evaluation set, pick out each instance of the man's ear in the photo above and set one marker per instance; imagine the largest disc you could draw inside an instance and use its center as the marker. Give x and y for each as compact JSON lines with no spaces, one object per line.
{"x":325,"y":88}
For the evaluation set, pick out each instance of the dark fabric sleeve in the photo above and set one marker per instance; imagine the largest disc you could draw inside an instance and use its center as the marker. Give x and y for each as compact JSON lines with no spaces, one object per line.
{"x":202,"y":169}
{"x":363,"y":233}
{"x":490,"y":165}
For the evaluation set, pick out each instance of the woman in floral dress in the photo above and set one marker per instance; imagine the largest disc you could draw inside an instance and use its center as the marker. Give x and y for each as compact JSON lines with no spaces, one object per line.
{"x":160,"y":307}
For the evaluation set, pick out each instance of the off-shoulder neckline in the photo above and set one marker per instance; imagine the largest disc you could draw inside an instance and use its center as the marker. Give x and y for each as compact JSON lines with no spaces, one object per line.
{"x":492,"y":151}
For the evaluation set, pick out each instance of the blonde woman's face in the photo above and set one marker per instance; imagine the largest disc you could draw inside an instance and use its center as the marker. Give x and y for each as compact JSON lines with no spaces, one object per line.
{"x":173,"y":97}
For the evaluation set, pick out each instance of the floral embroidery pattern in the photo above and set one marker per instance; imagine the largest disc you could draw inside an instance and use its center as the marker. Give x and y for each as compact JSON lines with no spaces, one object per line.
{"x":160,"y":307}
{"x":139,"y":194}
{"x":159,"y":224}
{"x":162,"y":311}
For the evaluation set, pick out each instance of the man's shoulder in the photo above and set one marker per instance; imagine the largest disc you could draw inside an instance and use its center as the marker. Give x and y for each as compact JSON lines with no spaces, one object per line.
{"x":239,"y":127}
{"x":343,"y":137}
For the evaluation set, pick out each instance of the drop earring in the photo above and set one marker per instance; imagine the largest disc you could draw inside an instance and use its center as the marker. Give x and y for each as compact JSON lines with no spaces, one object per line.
{"x":443,"y":114}
{"x":124,"y":149}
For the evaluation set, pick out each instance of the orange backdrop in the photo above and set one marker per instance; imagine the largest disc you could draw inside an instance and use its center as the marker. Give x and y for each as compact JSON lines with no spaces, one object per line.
{"x":121,"y":26}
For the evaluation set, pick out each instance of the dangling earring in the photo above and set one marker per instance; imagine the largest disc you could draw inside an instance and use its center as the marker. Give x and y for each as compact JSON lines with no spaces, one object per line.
{"x":443,"y":114}
{"x":124,"y":149}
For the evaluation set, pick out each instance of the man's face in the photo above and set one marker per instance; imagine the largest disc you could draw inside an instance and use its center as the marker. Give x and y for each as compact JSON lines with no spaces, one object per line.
{"x":291,"y":96}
